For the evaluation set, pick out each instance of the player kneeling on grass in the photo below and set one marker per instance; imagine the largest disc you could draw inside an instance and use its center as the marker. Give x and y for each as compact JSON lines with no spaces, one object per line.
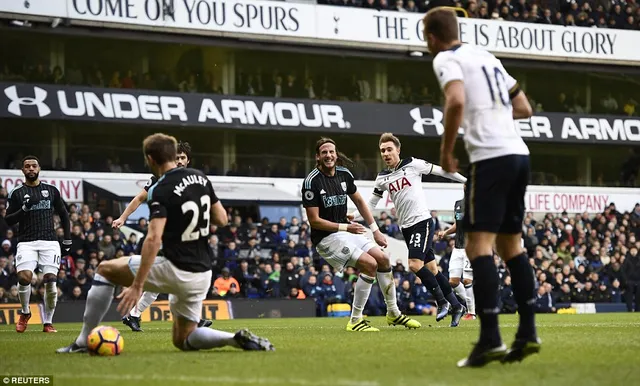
{"x":181,"y":203}
{"x":341,"y":243}
{"x":132,"y":319}
{"x":403,"y":180}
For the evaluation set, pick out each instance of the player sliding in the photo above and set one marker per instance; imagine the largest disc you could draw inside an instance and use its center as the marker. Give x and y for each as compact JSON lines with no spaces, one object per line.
{"x":182,"y":204}
{"x":480,"y":92}
{"x":459,"y":262}
{"x":341,"y":243}
{"x":133,"y":318}
{"x":33,"y":204}
{"x":403,"y":180}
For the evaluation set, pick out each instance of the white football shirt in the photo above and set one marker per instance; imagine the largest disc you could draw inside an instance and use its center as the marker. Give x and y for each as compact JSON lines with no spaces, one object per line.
{"x":489,"y":128}
{"x":404,"y":184}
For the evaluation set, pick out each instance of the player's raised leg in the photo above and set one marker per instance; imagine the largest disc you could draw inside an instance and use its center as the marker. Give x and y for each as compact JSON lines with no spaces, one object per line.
{"x":109,"y":274}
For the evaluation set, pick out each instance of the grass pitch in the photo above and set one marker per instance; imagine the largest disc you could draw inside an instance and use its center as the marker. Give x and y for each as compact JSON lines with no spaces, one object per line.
{"x":581,"y":350}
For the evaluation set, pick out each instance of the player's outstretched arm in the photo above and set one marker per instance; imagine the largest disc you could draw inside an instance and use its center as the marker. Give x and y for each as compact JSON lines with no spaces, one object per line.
{"x":451,"y":230}
{"x":152,"y":243}
{"x":16,"y":209}
{"x":219,"y":214}
{"x":438,"y":171}
{"x":373,"y":202}
{"x":521,"y":106}
{"x":61,"y":209}
{"x":133,"y":205}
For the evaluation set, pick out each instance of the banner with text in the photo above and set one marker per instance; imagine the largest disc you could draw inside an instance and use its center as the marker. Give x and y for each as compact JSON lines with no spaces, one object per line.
{"x":219,"y":111}
{"x":70,"y":188}
{"x":341,"y":26}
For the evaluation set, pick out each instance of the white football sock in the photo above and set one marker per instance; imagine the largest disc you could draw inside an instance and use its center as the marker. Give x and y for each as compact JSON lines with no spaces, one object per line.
{"x":360,"y":296}
{"x":459,"y":290}
{"x":203,"y":338}
{"x":471,"y":300}
{"x":388,"y":288}
{"x":98,"y":301}
{"x":24,"y":293}
{"x":50,"y":301}
{"x":145,"y":301}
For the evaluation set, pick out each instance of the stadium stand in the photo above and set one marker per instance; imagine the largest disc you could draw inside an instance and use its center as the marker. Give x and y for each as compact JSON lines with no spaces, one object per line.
{"x":598,"y":14}
{"x":577,"y":259}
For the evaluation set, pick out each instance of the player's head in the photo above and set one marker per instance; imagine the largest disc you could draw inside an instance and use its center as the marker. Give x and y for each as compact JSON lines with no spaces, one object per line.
{"x":328,"y":156}
{"x":31,"y":168}
{"x":389,"y":149}
{"x":184,"y":154}
{"x":160,"y":150}
{"x":440,"y":29}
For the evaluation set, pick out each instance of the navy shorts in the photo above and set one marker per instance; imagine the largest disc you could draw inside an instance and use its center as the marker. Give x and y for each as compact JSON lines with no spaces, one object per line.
{"x":494,"y":196}
{"x":419,"y":239}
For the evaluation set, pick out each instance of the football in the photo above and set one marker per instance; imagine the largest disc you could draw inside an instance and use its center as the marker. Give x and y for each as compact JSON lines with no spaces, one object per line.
{"x":105,"y":341}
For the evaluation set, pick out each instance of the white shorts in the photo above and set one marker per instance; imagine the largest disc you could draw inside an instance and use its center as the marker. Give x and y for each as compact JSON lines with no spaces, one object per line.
{"x":39,"y":253}
{"x":343,"y":249}
{"x":186,"y":289}
{"x":458,"y":263}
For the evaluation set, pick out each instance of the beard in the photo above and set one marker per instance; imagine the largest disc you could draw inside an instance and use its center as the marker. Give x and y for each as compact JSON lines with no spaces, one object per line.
{"x":32,"y":179}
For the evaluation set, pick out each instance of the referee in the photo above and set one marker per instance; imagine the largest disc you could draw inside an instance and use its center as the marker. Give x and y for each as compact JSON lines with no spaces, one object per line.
{"x":33,"y":205}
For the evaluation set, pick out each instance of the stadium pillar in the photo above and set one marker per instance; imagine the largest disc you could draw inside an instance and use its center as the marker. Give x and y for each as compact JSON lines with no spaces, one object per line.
{"x":229,"y":76}
{"x":584,"y":170}
{"x":380,"y":91}
{"x":56,"y":55}
{"x":228,"y":150}
{"x":587,"y":95}
{"x":309,"y":157}
{"x":58,"y":144}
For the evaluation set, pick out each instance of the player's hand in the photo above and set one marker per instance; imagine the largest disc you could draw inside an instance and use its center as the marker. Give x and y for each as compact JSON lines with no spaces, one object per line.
{"x":128,"y":299}
{"x":356,"y":228}
{"x":439,"y":235}
{"x":66,"y":246}
{"x":379,"y":238}
{"x":448,"y":162}
{"x":27,"y":203}
{"x":350,"y":217}
{"x":117,"y":223}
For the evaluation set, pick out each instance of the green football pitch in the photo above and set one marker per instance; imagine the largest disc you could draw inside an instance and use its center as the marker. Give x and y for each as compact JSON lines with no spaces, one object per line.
{"x":601,"y":349}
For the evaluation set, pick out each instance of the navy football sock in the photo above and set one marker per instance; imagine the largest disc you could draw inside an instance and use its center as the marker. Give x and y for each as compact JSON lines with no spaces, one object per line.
{"x":447,"y":291}
{"x":485,"y":289}
{"x":431,"y":283}
{"x":523,"y":284}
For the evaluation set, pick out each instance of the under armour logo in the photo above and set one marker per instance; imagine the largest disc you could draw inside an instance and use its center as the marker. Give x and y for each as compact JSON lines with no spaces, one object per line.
{"x":38,"y":100}
{"x":436,"y":121}
{"x":421,"y":122}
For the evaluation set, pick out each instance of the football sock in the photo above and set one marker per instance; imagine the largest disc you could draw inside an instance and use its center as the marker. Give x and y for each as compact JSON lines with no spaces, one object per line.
{"x":459,"y":290}
{"x":471,"y":299}
{"x":360,"y":296}
{"x":24,"y":293}
{"x":145,"y":301}
{"x":98,"y":301}
{"x":443,"y":282}
{"x":203,"y":338}
{"x":523,"y":284}
{"x":388,"y":287}
{"x":431,"y":283}
{"x":485,"y":289}
{"x":50,"y":300}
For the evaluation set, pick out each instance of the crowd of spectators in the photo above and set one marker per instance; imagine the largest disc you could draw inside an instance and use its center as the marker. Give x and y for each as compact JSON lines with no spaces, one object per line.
{"x":590,"y":13}
{"x":576,"y":258}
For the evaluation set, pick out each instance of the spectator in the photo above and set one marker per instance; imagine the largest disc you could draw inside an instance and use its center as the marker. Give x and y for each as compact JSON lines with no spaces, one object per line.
{"x":631,"y":273}
{"x":223,"y":284}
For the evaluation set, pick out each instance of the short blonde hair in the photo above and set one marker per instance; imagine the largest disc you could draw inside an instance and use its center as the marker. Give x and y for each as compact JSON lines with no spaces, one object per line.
{"x":389,"y":137}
